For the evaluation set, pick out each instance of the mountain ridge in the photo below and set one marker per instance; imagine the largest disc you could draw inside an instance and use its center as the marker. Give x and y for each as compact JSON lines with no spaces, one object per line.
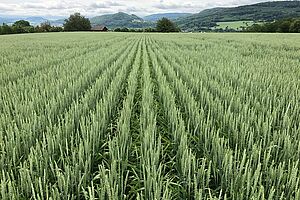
{"x":120,"y":20}
{"x":171,"y":16}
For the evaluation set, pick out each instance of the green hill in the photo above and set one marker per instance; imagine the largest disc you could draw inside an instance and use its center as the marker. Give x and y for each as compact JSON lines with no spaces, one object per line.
{"x":120,"y":20}
{"x":171,"y":16}
{"x":268,"y":11}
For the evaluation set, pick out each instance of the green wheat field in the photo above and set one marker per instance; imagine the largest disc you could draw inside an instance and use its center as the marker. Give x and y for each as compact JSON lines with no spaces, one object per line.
{"x":150,"y":116}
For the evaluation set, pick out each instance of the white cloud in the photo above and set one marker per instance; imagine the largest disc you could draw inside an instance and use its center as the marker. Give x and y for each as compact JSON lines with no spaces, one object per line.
{"x":4,"y":7}
{"x":108,"y":4}
{"x":172,"y":6}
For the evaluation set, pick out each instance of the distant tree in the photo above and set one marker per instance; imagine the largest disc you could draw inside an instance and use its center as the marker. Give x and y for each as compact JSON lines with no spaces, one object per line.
{"x":29,"y":29}
{"x":281,"y":26}
{"x":22,"y":23}
{"x":45,"y":26}
{"x":124,"y":29}
{"x":117,"y":30}
{"x":284,"y":27}
{"x":165,"y":25}
{"x":269,"y":27}
{"x":5,"y":29}
{"x":76,"y":22}
{"x":254,"y":28}
{"x":21,"y":28}
{"x":149,"y":30}
{"x":18,"y":29}
{"x":133,"y":30}
{"x":37,"y":29}
{"x":295,"y":26}
{"x":56,"y":29}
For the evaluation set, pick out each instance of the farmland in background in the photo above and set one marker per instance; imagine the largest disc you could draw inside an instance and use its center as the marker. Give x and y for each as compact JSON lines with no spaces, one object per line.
{"x":150,"y":116}
{"x":234,"y":25}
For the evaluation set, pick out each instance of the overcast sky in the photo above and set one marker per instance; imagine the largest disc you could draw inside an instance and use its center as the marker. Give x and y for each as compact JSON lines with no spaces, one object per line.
{"x":99,"y":7}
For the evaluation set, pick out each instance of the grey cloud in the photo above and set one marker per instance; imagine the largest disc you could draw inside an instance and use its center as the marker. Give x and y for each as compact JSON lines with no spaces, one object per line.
{"x":172,"y":6}
{"x":34,"y":6}
{"x":5,"y":7}
{"x":106,"y":4}
{"x":221,"y":3}
{"x":132,"y":9}
{"x":51,"y":6}
{"x":65,"y":6}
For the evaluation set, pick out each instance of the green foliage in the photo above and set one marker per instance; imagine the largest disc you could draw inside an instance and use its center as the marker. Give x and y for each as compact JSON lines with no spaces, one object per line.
{"x":295,"y":26}
{"x":166,"y":26}
{"x":29,"y":29}
{"x":149,"y":30}
{"x":233,"y":26}
{"x":76,"y":22}
{"x":281,"y":26}
{"x":19,"y":28}
{"x":15,"y":29}
{"x":45,"y":26}
{"x":150,"y":116}
{"x":121,"y":30}
{"x":5,"y":29}
{"x":21,"y":23}
{"x":140,"y":30}
{"x":56,"y":29}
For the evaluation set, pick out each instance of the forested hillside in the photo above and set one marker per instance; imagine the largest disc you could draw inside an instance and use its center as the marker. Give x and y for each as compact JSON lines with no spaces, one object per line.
{"x":268,"y":11}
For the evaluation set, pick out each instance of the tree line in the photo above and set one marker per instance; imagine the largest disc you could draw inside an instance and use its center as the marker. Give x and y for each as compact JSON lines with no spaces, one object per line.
{"x":75,"y":22}
{"x":23,"y":26}
{"x":291,"y":25}
{"x":162,"y":25}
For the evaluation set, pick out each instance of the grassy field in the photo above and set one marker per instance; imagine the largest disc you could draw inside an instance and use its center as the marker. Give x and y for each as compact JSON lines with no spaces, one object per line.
{"x":235,"y":25}
{"x":150,"y":116}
